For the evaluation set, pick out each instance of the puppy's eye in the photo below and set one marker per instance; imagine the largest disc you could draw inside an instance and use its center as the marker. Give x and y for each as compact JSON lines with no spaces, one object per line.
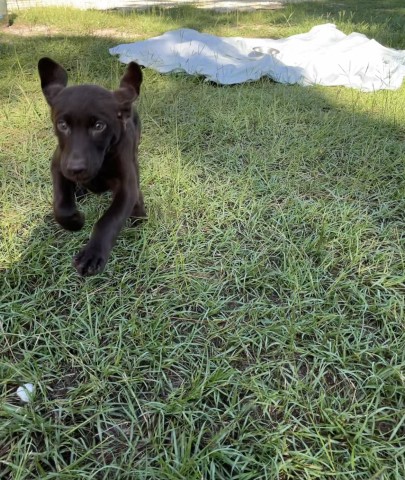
{"x":62,"y":126}
{"x":99,"y":126}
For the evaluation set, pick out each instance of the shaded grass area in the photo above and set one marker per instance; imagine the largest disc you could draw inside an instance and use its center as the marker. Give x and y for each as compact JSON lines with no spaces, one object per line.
{"x":253,"y":328}
{"x":383,"y":21}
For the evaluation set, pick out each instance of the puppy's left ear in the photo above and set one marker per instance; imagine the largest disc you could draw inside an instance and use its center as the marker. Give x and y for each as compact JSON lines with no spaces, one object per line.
{"x":130,"y":87}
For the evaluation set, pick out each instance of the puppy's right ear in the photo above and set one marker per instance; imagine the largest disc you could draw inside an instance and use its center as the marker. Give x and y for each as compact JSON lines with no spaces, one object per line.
{"x":130,"y":87}
{"x":53,"y":78}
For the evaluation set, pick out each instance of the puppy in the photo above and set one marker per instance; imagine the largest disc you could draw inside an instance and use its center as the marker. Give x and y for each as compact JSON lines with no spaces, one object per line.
{"x":98,"y":134}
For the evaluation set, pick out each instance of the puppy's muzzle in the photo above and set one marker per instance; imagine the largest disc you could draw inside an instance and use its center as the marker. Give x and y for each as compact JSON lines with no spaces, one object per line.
{"x":76,"y":168}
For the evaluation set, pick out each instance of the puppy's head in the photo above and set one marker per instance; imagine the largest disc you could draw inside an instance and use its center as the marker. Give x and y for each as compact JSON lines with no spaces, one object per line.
{"x":88,"y":120}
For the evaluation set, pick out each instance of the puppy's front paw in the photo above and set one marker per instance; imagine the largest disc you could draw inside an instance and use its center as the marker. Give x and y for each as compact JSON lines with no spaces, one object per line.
{"x":90,"y":261}
{"x":73,"y":222}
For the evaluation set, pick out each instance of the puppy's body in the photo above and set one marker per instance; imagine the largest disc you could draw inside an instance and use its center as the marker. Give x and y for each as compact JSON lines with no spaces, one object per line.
{"x":98,"y":135}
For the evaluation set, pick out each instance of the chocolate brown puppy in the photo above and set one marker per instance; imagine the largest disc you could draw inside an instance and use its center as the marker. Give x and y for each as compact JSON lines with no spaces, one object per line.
{"x":98,"y":133}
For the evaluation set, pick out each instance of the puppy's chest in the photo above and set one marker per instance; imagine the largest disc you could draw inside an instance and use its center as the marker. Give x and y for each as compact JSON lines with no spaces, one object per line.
{"x":106,"y":179}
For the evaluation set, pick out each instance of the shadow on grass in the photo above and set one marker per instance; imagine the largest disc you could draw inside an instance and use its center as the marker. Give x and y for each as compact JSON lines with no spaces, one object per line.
{"x":383,"y":21}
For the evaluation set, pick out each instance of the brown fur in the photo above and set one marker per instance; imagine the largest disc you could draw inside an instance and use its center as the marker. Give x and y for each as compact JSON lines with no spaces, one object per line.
{"x":98,"y":135}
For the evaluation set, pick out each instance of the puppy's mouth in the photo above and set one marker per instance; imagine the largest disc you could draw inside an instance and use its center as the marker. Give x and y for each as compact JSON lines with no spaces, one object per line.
{"x":79,"y":176}
{"x":82,"y":177}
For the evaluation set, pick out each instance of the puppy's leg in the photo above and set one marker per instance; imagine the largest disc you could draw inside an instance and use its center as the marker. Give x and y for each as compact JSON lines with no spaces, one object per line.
{"x":138,"y":211}
{"x":138,"y":214}
{"x":93,"y":257}
{"x":64,"y":202}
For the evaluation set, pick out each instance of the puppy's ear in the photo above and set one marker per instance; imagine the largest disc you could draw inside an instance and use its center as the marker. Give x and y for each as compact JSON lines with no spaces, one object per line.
{"x":130,"y":87}
{"x":53,"y":78}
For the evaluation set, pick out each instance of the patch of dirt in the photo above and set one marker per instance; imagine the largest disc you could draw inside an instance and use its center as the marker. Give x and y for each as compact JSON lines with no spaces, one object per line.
{"x":44,"y":30}
{"x":238,"y":5}
{"x":60,"y":389}
{"x":31,"y":30}
{"x":111,"y":32}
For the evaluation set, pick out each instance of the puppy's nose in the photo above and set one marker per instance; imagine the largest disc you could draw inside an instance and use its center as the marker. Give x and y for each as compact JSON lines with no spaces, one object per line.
{"x":76,"y":170}
{"x":76,"y":167}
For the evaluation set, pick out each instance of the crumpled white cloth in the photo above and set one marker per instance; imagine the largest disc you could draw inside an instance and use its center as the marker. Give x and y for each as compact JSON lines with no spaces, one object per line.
{"x":322,"y":56}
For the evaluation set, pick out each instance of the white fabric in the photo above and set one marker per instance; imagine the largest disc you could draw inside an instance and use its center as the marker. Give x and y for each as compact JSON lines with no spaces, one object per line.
{"x":322,"y":56}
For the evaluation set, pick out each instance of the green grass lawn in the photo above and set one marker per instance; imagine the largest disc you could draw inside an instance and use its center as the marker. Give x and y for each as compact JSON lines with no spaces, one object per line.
{"x":253,"y":328}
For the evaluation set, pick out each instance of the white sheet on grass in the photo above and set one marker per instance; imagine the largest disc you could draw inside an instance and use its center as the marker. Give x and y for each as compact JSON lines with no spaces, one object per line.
{"x":322,"y":56}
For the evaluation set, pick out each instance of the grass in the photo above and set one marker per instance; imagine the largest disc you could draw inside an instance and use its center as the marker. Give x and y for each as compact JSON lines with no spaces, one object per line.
{"x":253,"y":328}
